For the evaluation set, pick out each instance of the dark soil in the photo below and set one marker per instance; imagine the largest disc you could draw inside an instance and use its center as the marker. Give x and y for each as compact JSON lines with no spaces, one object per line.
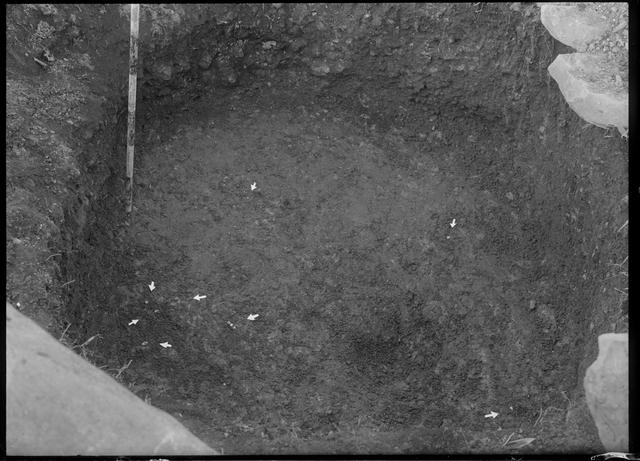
{"x":410,"y":261}
{"x":383,"y":324}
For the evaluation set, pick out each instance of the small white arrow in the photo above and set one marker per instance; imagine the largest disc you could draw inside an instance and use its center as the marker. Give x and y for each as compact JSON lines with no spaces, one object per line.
{"x":493,"y":415}
{"x":134,"y":321}
{"x":253,"y":316}
{"x":253,"y":186}
{"x":152,"y":286}
{"x":199,"y":297}
{"x":453,"y":223}
{"x":165,"y":344}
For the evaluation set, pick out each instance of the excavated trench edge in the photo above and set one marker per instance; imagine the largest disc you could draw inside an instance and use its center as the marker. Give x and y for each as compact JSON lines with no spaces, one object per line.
{"x":114,"y":142}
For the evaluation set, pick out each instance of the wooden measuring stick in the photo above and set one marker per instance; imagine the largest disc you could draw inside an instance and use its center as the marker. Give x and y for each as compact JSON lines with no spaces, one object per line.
{"x":131,"y":120}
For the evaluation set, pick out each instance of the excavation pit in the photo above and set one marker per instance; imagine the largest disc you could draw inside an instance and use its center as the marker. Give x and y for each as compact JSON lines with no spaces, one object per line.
{"x":345,"y":262}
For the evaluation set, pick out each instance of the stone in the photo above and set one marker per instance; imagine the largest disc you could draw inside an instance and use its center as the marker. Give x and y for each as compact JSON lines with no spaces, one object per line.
{"x":237,"y":49}
{"x":47,"y":9}
{"x":320,"y":68}
{"x":574,"y":26}
{"x":588,"y":93}
{"x":228,"y":17}
{"x":58,"y":404}
{"x":163,"y":71}
{"x":606,"y":385}
{"x":268,"y":44}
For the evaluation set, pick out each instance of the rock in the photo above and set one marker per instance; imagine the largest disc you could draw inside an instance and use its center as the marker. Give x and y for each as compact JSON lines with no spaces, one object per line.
{"x":588,"y":93}
{"x":237,"y":49}
{"x":60,"y":405}
{"x":228,"y":17}
{"x":47,"y":9}
{"x":231,"y":77}
{"x":606,"y":385}
{"x":575,"y":26}
{"x":163,"y":71}
{"x":268,"y":44}
{"x":205,"y":61}
{"x":319,"y":68}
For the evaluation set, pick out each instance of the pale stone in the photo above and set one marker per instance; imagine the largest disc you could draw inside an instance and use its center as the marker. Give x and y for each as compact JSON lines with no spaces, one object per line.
{"x":574,"y":26}
{"x":606,"y":385}
{"x":58,"y":404}
{"x":319,"y":68}
{"x":579,"y":77}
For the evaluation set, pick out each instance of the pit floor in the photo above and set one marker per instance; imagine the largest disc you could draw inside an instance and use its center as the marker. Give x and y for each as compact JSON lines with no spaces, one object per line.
{"x":355,"y":297}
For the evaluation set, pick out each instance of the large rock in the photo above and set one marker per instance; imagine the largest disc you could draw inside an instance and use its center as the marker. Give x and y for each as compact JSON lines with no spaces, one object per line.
{"x":574,"y":26}
{"x":606,"y":385}
{"x":588,"y":84}
{"x":59,"y":404}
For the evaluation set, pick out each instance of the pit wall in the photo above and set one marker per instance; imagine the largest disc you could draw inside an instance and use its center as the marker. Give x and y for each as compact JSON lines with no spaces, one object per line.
{"x":371,"y":55}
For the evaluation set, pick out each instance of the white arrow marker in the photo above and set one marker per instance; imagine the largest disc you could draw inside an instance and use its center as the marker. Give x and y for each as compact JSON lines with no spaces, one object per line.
{"x":133,"y":322}
{"x":253,"y":316}
{"x":493,"y":415}
{"x":253,"y":186}
{"x":165,"y":344}
{"x":453,"y":223}
{"x":152,"y":286}
{"x":198,"y":297}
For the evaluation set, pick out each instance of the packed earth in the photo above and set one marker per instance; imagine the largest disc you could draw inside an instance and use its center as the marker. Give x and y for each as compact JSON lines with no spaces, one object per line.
{"x":390,"y":238}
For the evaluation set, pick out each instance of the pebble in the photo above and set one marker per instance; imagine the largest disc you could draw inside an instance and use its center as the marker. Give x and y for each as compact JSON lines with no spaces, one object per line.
{"x":205,"y":61}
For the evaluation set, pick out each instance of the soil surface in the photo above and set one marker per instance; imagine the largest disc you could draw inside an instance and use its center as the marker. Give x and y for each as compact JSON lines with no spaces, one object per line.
{"x":360,"y":296}
{"x":378,"y":268}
